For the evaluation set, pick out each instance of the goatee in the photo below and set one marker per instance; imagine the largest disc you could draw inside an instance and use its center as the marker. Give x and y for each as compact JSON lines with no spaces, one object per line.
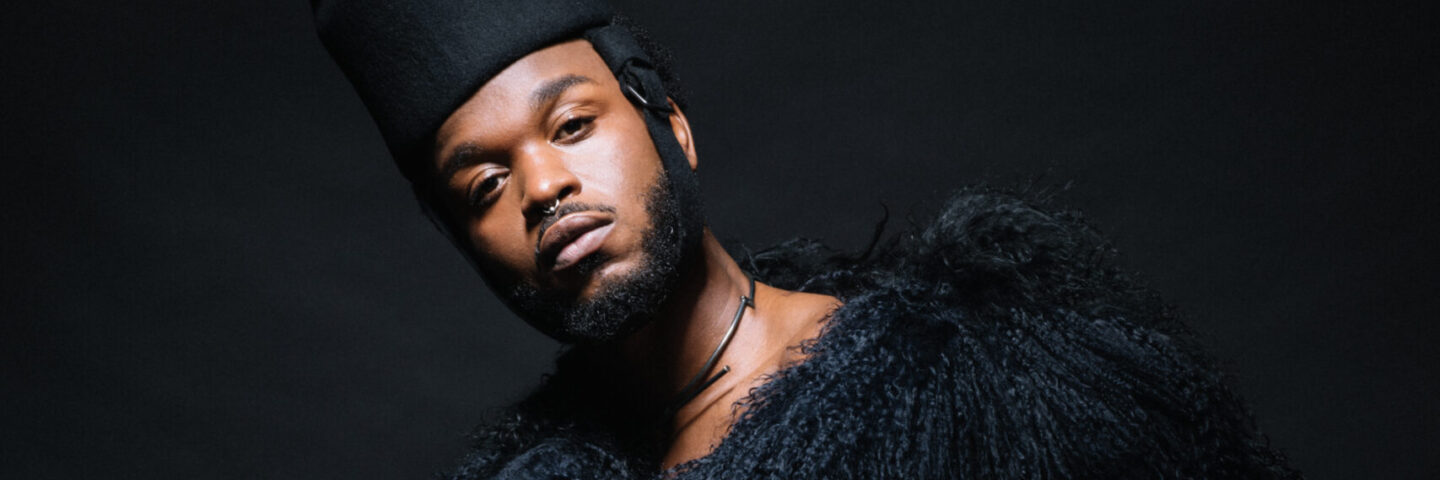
{"x":622,"y":305}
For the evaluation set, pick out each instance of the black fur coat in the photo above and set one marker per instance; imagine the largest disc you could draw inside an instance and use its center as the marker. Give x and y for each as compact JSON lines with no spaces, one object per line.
{"x":994,"y":342}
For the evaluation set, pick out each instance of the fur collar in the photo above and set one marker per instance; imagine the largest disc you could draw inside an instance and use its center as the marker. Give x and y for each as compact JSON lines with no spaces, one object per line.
{"x":994,"y":342}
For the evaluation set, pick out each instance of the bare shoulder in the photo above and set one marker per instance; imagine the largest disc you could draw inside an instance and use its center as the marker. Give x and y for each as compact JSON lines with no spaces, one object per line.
{"x":803,"y":318}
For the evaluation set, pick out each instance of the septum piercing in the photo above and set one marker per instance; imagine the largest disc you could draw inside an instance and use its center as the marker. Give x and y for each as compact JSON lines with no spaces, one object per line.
{"x":550,"y":210}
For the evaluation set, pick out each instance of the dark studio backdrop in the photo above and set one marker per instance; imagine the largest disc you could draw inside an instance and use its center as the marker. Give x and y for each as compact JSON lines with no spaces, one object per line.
{"x":212,"y":270}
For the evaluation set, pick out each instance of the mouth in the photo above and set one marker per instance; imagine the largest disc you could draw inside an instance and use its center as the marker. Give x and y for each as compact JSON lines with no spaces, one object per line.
{"x":571,"y":239}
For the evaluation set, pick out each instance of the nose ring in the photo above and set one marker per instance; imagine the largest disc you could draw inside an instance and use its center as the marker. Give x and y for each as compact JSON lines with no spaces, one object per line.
{"x":550,"y":210}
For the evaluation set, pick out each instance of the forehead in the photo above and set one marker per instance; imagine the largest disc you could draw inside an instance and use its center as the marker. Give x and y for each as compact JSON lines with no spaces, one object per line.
{"x":510,"y":92}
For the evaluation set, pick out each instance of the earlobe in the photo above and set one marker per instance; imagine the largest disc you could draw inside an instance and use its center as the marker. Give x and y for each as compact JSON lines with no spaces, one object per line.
{"x":681,"y":126}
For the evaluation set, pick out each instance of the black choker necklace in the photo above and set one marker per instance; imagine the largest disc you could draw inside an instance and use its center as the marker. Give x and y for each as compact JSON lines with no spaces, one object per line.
{"x":695,"y":386}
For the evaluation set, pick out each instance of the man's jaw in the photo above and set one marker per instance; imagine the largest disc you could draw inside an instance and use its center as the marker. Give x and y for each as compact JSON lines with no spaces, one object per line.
{"x":601,"y":297}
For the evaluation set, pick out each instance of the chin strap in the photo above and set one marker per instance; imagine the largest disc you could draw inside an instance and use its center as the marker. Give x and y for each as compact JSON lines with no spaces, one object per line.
{"x":695,"y":386}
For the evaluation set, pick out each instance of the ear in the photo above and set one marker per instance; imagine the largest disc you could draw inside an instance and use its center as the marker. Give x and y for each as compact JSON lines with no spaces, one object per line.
{"x":681,"y":126}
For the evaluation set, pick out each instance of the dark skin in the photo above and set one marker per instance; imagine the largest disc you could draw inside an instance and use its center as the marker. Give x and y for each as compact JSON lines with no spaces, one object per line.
{"x":554,"y":126}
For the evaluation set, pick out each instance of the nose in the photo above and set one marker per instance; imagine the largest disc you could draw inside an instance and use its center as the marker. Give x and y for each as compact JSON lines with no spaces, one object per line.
{"x":547,"y":181}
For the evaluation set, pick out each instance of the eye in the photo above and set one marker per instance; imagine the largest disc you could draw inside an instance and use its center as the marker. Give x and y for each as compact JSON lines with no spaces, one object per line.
{"x":574,"y":130}
{"x":481,"y":191}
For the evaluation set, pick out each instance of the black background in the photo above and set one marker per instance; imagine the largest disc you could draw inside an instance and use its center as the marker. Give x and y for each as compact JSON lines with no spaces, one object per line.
{"x":211,"y":269}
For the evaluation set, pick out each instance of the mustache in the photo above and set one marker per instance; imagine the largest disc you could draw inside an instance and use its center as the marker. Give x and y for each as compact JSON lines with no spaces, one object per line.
{"x":562,"y":211}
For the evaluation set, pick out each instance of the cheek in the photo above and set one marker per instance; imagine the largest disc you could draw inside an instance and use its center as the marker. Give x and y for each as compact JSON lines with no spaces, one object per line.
{"x":619,"y":164}
{"x":501,"y":247}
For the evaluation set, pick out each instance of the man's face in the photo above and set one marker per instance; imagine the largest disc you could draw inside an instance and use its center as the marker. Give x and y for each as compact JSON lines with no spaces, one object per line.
{"x":551,"y":127}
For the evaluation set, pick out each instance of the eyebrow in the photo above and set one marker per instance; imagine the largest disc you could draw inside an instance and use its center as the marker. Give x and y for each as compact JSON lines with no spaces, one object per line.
{"x":552,"y":89}
{"x":465,"y":155}
{"x":468,"y":154}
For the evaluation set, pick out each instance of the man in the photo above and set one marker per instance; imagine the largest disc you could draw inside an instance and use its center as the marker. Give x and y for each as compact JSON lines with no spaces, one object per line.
{"x":992,"y":343}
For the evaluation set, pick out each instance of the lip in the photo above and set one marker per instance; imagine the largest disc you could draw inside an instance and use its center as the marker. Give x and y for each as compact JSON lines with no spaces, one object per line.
{"x":572,"y":238}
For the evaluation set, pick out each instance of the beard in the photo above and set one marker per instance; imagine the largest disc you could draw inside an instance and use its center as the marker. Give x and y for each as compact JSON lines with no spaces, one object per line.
{"x":622,"y":305}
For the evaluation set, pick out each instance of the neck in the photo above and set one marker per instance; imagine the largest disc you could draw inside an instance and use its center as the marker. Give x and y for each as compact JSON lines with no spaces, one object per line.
{"x":674,"y":347}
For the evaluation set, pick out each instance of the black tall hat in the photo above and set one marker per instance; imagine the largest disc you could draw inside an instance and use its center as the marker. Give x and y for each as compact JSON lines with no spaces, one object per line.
{"x":415,"y":62}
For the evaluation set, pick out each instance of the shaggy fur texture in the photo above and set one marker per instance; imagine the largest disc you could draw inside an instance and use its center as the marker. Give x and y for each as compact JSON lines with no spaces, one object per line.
{"x":996,"y":342}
